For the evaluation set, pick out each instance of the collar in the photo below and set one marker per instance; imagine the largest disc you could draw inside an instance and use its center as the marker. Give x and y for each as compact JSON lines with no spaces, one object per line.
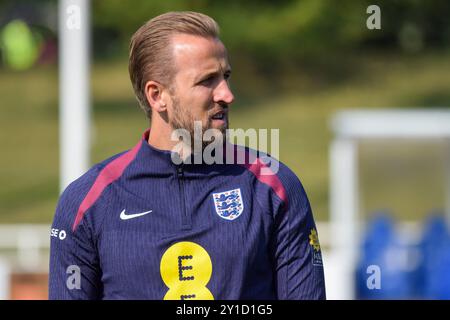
{"x":160,"y":162}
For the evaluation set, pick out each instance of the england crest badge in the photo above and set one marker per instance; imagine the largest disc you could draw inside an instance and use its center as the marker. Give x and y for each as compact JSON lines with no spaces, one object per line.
{"x":229,"y":204}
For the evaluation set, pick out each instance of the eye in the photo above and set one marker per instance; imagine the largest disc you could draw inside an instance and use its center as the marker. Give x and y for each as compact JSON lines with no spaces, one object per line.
{"x":227,"y":75}
{"x":207,"y":81}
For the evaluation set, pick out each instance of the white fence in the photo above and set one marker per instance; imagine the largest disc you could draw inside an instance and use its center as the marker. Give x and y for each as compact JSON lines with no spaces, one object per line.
{"x":24,"y":248}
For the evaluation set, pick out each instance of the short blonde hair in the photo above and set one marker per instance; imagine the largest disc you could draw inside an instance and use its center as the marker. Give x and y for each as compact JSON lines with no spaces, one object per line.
{"x":150,"y":50}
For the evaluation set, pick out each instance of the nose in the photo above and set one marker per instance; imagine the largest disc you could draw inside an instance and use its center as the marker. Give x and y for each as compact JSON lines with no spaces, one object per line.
{"x":223,"y":93}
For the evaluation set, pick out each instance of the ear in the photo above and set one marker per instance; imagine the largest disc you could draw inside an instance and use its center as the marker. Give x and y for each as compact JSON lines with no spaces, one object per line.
{"x":155,"y":97}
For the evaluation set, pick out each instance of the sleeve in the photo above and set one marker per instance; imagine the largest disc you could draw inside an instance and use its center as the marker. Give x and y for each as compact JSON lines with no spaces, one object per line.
{"x":297,"y":254}
{"x":74,"y":265}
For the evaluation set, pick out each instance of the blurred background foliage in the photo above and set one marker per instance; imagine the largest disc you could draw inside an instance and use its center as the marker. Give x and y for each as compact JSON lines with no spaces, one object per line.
{"x":295,"y":62}
{"x":291,"y":28}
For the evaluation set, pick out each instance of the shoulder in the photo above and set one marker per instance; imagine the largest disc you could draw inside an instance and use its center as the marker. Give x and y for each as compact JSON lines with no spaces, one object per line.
{"x":81,"y":194}
{"x":271,"y":172}
{"x":80,"y":186}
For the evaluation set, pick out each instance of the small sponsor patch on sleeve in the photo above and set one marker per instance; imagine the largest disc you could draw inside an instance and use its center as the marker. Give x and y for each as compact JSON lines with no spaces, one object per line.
{"x":315,"y":247}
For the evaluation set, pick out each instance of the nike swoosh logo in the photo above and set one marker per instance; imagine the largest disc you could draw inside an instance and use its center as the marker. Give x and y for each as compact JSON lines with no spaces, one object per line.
{"x":125,"y":216}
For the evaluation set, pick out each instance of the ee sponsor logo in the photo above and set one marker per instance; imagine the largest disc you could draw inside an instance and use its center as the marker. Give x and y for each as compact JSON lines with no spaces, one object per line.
{"x":186,"y":269}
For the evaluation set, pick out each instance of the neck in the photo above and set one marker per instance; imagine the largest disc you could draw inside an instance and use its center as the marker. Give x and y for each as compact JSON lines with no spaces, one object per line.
{"x":160,"y":138}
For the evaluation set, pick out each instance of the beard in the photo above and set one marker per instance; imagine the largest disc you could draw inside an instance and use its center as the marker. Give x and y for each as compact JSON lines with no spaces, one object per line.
{"x":183,"y":118}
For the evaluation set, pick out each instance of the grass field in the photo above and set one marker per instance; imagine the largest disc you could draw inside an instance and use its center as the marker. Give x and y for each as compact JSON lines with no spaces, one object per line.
{"x":300,"y":109}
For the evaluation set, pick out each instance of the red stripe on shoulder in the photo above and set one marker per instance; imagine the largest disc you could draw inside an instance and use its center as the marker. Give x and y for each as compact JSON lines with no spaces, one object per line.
{"x":265,"y":175}
{"x":110,"y":173}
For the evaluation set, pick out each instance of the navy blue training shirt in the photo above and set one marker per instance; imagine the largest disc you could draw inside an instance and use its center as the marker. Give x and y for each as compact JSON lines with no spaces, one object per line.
{"x":137,"y":226}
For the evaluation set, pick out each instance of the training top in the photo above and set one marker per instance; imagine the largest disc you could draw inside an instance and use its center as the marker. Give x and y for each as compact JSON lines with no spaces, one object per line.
{"x":139,"y":226}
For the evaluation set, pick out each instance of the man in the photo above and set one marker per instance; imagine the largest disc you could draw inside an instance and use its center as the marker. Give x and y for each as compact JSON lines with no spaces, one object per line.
{"x":141,"y":226}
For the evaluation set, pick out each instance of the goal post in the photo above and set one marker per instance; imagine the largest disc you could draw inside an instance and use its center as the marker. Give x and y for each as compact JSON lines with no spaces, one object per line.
{"x":350,"y":127}
{"x":74,"y":93}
